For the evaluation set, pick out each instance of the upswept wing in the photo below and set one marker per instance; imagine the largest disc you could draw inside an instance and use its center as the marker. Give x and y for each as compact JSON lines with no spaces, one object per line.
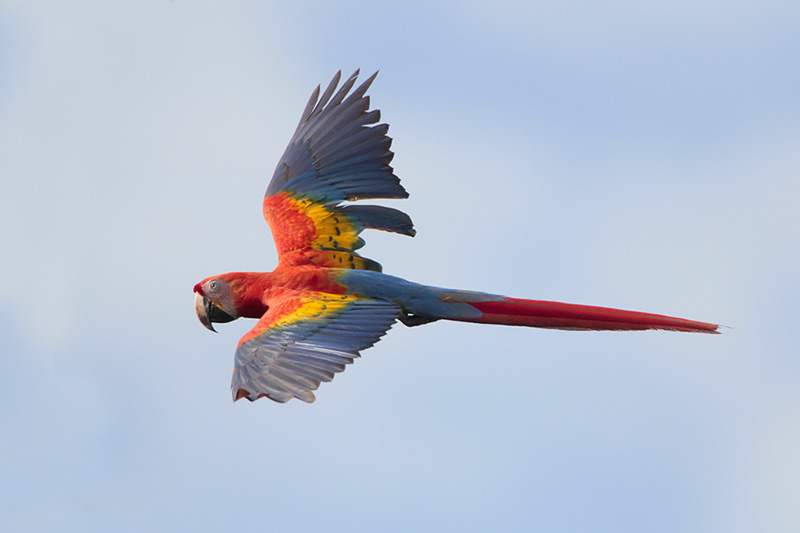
{"x":338,"y":153}
{"x":305,"y":339}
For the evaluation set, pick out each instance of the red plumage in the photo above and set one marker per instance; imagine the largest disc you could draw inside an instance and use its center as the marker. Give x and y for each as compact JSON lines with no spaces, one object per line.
{"x":558,"y":315}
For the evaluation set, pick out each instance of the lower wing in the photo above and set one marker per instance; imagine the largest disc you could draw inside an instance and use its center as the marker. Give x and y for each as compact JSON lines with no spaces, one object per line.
{"x":304,"y":340}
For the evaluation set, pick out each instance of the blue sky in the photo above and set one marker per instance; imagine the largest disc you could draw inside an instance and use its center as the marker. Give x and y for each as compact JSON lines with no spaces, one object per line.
{"x":634,"y":155}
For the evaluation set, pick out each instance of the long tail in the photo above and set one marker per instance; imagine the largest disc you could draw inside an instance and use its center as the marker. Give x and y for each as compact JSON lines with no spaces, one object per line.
{"x":557,"y":315}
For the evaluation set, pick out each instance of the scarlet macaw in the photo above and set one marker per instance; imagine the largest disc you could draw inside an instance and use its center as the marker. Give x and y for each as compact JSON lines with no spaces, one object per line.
{"x":324,"y":303}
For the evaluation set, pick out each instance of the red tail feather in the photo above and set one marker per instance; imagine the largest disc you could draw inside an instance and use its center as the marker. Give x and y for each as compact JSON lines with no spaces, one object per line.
{"x":557,"y":315}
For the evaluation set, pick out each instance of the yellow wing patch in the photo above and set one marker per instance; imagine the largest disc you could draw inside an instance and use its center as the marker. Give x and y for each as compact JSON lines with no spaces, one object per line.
{"x":306,"y":231}
{"x":333,"y":230}
{"x":316,"y":307}
{"x":303,"y":312}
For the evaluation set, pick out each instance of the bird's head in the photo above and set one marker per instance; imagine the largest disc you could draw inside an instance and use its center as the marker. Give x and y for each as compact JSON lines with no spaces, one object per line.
{"x":213,"y":302}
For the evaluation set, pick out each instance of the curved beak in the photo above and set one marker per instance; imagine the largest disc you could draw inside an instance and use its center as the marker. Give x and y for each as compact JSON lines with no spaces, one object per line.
{"x":208,"y":312}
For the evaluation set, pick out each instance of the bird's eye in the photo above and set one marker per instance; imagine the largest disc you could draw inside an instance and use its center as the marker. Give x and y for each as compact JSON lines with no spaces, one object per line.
{"x":213,"y":285}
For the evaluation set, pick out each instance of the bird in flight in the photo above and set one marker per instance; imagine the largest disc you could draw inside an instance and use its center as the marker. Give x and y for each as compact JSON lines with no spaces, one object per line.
{"x":324,"y":302}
